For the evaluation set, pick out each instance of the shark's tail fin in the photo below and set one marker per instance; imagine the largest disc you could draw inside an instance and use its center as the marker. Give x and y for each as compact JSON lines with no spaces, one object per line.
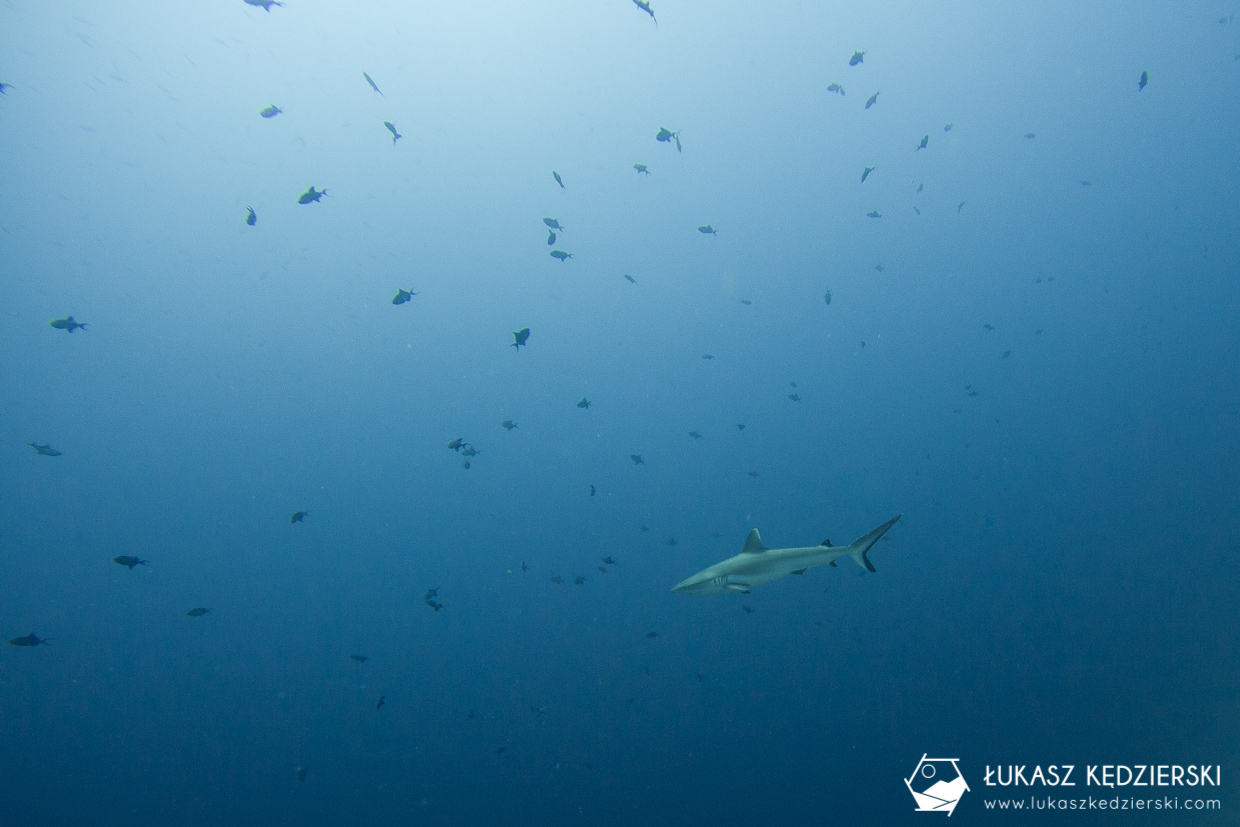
{"x":859,"y":549}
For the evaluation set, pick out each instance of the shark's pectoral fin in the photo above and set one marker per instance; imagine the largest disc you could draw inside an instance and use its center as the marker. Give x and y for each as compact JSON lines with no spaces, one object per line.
{"x":799,"y":571}
{"x":753,"y":543}
{"x":832,"y":564}
{"x":743,"y":588}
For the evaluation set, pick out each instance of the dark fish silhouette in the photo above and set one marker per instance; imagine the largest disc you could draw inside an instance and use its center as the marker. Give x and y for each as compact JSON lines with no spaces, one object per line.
{"x":641,"y":168}
{"x":740,"y":426}
{"x":44,"y":450}
{"x":67,"y":324}
{"x":468,"y":450}
{"x":508,"y":424}
{"x":265,"y":5}
{"x":873,"y":100}
{"x":310,"y":195}
{"x":550,"y":237}
{"x":630,"y":278}
{"x":199,"y":612}
{"x":1030,"y":136}
{"x":359,"y":658}
{"x":499,"y":750}
{"x":4,"y":87}
{"x":520,"y":337}
{"x":749,"y":609}
{"x":434,"y":605}
{"x":379,"y":703}
{"x":556,"y":175}
{"x":671,"y":541}
{"x":667,"y":136}
{"x":584,"y":403}
{"x":835,"y":87}
{"x":128,"y":561}
{"x":695,"y":435}
{"x":392,"y":129}
{"x":298,"y":516}
{"x":607,"y":561}
{"x":592,"y":491}
{"x":29,"y":640}
{"x":708,"y":356}
{"x":368,"y":80}
{"x":553,"y":223}
{"x":301,"y":771}
{"x":578,"y":580}
{"x":874,"y":214}
{"x":858,"y":57}
{"x":827,"y":296}
{"x":251,"y":217}
{"x":753,"y":474}
{"x":925,"y":140}
{"x":1145,"y":78}
{"x":866,"y":173}
{"x":644,"y":5}
{"x":706,"y":229}
{"x":270,"y":111}
{"x":746,"y":302}
{"x":561,"y":255}
{"x":557,"y":580}
{"x":652,"y":635}
{"x":455,"y":445}
{"x":402,"y":296}
{"x":947,"y":128}
{"x":637,"y":459}
{"x":794,"y":397}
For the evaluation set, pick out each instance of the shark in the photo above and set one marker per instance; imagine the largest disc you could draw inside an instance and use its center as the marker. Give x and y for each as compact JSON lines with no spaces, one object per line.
{"x":757,"y":564}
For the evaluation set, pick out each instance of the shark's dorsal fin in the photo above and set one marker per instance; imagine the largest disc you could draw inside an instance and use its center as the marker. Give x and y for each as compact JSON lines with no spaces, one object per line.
{"x":827,"y":543}
{"x":753,"y":544}
{"x":799,"y":571}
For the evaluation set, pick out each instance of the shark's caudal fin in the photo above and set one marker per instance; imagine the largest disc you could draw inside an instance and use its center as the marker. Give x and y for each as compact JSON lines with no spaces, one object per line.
{"x":860,"y":547}
{"x":753,"y":543}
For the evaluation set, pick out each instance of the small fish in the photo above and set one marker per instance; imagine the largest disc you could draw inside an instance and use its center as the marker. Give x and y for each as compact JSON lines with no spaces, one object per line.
{"x":520,"y":337}
{"x":960,"y":206}
{"x":270,"y":111}
{"x":584,"y":403}
{"x":359,"y":658}
{"x":666,"y":135}
{"x":550,"y":237}
{"x":301,"y":771}
{"x":403,"y":296}
{"x":630,"y":278}
{"x":128,"y":561}
{"x":557,"y":580}
{"x":5,"y":86}
{"x":392,"y":129}
{"x":561,"y":255}
{"x":553,"y":224}
{"x":264,"y":4}
{"x":740,"y":426}
{"x":67,"y":324}
{"x":874,"y":214}
{"x":1087,"y":183}
{"x":199,"y":612}
{"x":794,"y":397}
{"x":524,"y":567}
{"x":878,"y":267}
{"x":500,"y":750}
{"x":468,"y":450}
{"x":251,"y":217}
{"x":637,"y":459}
{"x":379,"y":703}
{"x":706,"y":229}
{"x":1145,"y":78}
{"x":866,"y":173}
{"x":310,"y":195}
{"x":947,"y":128}
{"x":298,"y":516}
{"x":925,"y":140}
{"x":1006,"y":354}
{"x":537,"y":710}
{"x":747,"y":609}
{"x":835,"y":87}
{"x":921,"y":187}
{"x":746,"y":302}
{"x":641,"y":169}
{"x":753,"y":474}
{"x":436,"y":606}
{"x":431,"y":593}
{"x":368,"y":80}
{"x":988,"y":326}
{"x":29,"y":640}
{"x":858,"y":57}
{"x":1030,"y":136}
{"x":652,"y":635}
{"x":607,"y":561}
{"x":645,"y":529}
{"x":671,"y":541}
{"x":603,"y":569}
{"x":708,"y":356}
{"x":873,"y":100}
{"x":578,"y":580}
{"x":557,"y":178}
{"x":508,"y":424}
{"x":591,"y":490}
{"x":695,"y":435}
{"x":455,"y":445}
{"x":44,"y":450}
{"x":644,"y":5}
{"x":916,"y":210}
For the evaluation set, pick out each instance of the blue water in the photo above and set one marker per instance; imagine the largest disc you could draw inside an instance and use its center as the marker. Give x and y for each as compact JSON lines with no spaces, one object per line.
{"x":1062,"y":587}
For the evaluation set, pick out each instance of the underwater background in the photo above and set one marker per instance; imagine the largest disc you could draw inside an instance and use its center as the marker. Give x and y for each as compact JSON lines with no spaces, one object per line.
{"x":1030,"y":351}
